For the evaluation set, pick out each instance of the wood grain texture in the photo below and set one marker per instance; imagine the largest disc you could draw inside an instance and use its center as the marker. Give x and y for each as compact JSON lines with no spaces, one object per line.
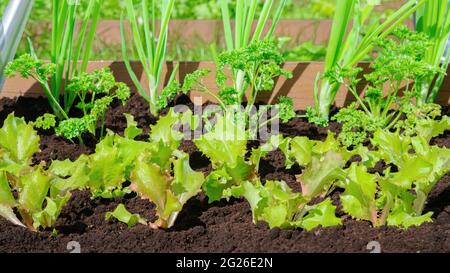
{"x":300,"y":88}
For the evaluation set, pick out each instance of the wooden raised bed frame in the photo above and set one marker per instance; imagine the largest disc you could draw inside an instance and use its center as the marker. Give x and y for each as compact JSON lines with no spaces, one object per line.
{"x":300,"y":88}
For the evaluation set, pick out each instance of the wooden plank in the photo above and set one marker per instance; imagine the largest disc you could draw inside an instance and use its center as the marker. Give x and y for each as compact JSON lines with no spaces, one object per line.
{"x":300,"y":88}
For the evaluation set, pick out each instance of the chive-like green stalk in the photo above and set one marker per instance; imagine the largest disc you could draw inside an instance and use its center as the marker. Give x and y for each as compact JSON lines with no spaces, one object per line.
{"x":347,"y":50}
{"x":433,"y":19}
{"x":151,"y":50}
{"x":67,"y":48}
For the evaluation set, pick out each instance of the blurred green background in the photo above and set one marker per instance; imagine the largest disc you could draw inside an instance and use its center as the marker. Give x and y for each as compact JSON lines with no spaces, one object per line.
{"x":184,"y":9}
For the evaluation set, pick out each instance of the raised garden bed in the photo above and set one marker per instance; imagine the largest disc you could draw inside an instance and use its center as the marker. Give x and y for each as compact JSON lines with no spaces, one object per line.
{"x":202,"y":227}
{"x":359,"y":162}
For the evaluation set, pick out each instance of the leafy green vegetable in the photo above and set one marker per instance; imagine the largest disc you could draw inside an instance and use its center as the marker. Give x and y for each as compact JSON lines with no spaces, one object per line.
{"x":124,"y":216}
{"x":322,"y":214}
{"x":286,"y":109}
{"x":225,"y":145}
{"x":244,"y":34}
{"x":400,"y":60}
{"x":164,"y":130}
{"x":19,"y":139}
{"x":102,"y":83}
{"x":168,"y":192}
{"x":395,"y":198}
{"x":69,"y":53}
{"x":353,"y":35}
{"x":258,"y":65}
{"x":423,"y":121}
{"x":320,"y":174}
{"x":45,"y":121}
{"x":132,"y":131}
{"x":33,"y":186}
{"x":276,"y":204}
{"x":173,"y":88}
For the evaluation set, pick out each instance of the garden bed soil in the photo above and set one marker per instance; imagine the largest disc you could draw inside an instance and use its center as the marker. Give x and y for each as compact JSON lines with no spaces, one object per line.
{"x":201,"y":227}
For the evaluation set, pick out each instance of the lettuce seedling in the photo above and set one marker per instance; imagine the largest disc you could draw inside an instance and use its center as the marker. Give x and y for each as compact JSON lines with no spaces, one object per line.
{"x":275,"y":203}
{"x":395,"y":198}
{"x":226,"y":146}
{"x":425,"y":121}
{"x":37,"y":201}
{"x":124,"y":216}
{"x":323,"y":163}
{"x":105,"y":171}
{"x":169,"y":192}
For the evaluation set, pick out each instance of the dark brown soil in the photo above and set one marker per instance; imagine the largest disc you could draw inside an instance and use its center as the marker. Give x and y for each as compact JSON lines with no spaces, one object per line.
{"x":218,"y":227}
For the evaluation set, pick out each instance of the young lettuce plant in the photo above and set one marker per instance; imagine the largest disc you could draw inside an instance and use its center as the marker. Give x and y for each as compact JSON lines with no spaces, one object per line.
{"x":126,"y":217}
{"x":225,"y":144}
{"x":169,"y":192}
{"x":433,"y":20}
{"x":349,"y":44}
{"x":395,"y":198}
{"x":245,"y":15}
{"x":400,"y":61}
{"x":425,"y":121}
{"x":23,"y":188}
{"x":70,"y":54}
{"x":276,"y":203}
{"x":150,"y":48}
{"x":323,"y":163}
{"x":105,"y":171}
{"x":162,"y":174}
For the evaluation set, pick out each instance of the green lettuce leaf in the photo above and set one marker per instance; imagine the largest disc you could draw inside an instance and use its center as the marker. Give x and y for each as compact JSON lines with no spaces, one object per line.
{"x":276,"y":204}
{"x":124,"y":216}
{"x":302,"y":149}
{"x":34,"y":189}
{"x":359,"y":197}
{"x":132,"y":131}
{"x":7,"y":201}
{"x":107,"y":171}
{"x":19,"y":139}
{"x":322,"y":214}
{"x":164,"y":130}
{"x":225,"y":144}
{"x":47,"y":217}
{"x":215,"y":184}
{"x":168,"y":193}
{"x":393,"y":147}
{"x":429,"y":128}
{"x":403,"y":213}
{"x":320,"y":174}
